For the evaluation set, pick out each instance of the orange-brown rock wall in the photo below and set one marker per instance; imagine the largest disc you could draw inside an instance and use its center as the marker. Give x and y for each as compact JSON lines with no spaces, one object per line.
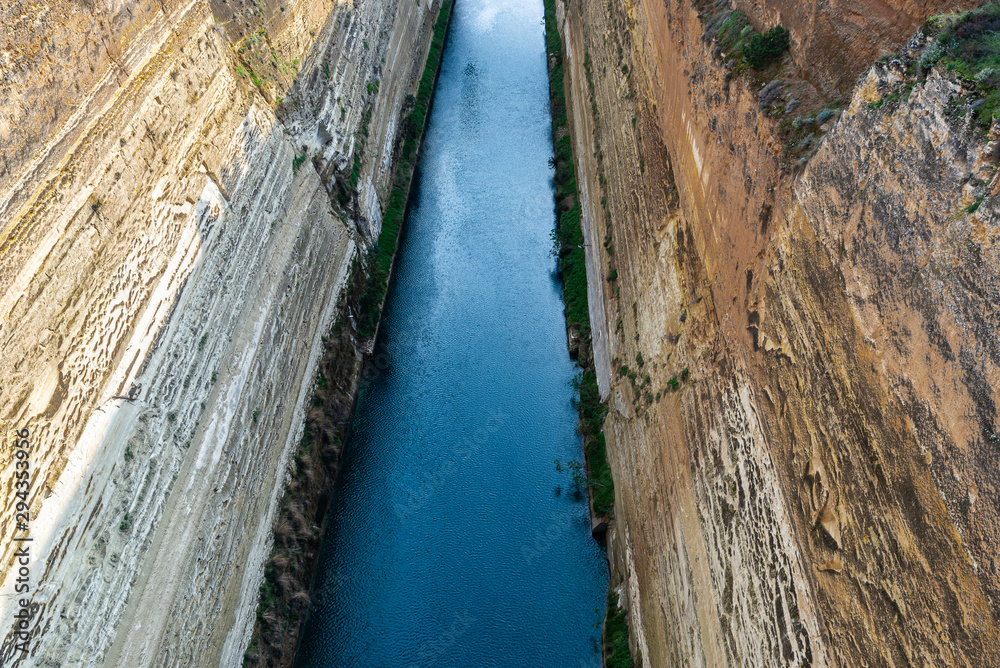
{"x":812,"y":492}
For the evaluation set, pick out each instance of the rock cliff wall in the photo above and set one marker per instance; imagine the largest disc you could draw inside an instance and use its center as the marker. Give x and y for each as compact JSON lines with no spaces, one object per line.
{"x":184,"y":188}
{"x":836,"y":41}
{"x":798,"y":355}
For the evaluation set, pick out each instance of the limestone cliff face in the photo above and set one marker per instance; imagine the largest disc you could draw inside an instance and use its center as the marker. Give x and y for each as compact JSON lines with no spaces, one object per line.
{"x":800,"y":364}
{"x":171,"y":257}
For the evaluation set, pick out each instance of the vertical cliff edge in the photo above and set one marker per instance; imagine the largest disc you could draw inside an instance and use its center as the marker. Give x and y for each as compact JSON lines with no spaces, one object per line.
{"x":793,"y":282}
{"x":183,"y":190}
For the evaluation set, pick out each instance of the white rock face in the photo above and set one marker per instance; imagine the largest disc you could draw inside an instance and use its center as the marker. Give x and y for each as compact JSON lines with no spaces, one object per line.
{"x":166,"y":277}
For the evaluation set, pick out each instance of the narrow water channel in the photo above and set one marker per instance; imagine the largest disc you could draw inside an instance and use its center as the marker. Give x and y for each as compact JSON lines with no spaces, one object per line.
{"x":453,"y":540}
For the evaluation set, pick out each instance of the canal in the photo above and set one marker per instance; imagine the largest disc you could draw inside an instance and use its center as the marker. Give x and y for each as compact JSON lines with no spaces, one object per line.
{"x":453,"y":540}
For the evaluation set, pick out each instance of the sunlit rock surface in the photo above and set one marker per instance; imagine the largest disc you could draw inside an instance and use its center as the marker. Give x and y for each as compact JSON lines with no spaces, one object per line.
{"x":171,"y":257}
{"x":821,"y":487}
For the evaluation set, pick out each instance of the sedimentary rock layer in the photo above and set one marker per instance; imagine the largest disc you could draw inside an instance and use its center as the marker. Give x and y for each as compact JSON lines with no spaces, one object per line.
{"x":800,"y":362}
{"x":172,"y":256}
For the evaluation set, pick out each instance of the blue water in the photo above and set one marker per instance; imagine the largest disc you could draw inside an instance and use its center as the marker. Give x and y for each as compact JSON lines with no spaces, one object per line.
{"x":453,"y":540}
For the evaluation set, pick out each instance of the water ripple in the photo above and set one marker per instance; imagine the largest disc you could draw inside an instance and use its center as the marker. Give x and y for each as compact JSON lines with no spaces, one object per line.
{"x":453,"y":540}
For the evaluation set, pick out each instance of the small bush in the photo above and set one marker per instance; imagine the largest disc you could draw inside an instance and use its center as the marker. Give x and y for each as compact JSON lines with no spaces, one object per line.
{"x":825,"y":115}
{"x":762,"y":50}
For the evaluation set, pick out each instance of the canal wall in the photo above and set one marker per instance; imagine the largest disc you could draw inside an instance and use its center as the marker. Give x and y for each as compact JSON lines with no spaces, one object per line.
{"x":796,"y":332}
{"x":349,"y":357}
{"x":185,"y":190}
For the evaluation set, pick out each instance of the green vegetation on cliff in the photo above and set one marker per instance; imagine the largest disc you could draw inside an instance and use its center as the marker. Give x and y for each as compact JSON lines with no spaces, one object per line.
{"x":738,"y":39}
{"x":968,"y":45}
{"x":284,"y":593}
{"x":569,"y":234}
{"x":593,"y":413}
{"x":572,"y":265}
{"x":569,"y":246}
{"x":763,"y":49}
{"x":616,"y":650}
